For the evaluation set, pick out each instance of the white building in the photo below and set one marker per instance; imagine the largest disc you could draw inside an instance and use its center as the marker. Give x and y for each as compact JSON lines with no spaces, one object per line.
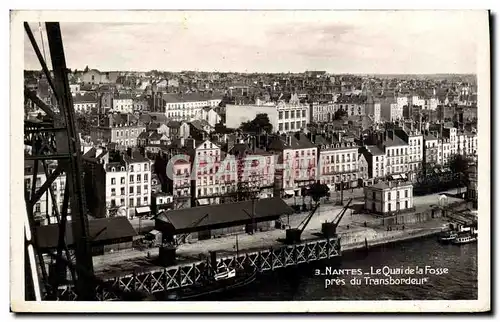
{"x":128,"y":184}
{"x":208,"y":114}
{"x":186,"y":106}
{"x":402,"y":101}
{"x":75,"y":89}
{"x":84,"y":103}
{"x":396,"y":154}
{"x":388,"y":198}
{"x":43,"y":210}
{"x":123,"y":104}
{"x":284,"y":117}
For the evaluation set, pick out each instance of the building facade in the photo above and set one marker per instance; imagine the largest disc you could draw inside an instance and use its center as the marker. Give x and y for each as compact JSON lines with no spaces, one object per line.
{"x":386,"y":198}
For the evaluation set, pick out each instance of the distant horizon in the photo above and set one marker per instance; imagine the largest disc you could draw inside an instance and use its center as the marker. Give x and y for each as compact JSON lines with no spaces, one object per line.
{"x":247,"y":72}
{"x":340,"y":42}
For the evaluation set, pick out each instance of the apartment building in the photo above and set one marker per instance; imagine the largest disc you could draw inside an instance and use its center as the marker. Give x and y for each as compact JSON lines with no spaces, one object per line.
{"x":124,"y":133}
{"x":375,"y":158}
{"x":255,"y":168}
{"x":338,"y":161}
{"x":181,"y":178}
{"x":210,"y":183}
{"x":124,"y":103}
{"x":354,"y":105}
{"x":415,"y":142}
{"x":322,"y":112}
{"x":126,"y":183}
{"x":298,"y":158}
{"x":396,"y":154}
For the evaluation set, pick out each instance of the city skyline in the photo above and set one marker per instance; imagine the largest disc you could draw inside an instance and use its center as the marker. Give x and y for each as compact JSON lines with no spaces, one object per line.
{"x":345,"y":42}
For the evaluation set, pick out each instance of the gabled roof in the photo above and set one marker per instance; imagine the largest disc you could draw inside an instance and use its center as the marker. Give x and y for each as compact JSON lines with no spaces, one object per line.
{"x":223,"y":215}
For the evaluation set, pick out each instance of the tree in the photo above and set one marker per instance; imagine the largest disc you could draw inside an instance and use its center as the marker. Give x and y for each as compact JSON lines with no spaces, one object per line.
{"x":318,"y":190}
{"x":258,"y":125}
{"x":339,"y":114}
{"x":459,"y":165}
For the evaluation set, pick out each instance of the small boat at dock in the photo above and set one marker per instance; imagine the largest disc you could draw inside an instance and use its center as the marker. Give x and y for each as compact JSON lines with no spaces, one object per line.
{"x":465,"y":238}
{"x":447,"y":236}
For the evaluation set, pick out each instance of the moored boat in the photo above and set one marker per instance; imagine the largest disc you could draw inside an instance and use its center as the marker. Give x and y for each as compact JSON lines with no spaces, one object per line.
{"x":465,"y":238}
{"x":447,"y":236}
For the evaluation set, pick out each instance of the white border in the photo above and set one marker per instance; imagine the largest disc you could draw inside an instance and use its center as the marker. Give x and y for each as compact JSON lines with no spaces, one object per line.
{"x":17,"y":200}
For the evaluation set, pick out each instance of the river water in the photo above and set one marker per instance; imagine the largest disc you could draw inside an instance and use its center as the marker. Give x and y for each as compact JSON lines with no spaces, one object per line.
{"x":304,"y":283}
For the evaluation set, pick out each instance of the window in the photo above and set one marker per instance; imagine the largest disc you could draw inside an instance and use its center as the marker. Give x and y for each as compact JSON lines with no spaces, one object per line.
{"x":373,"y":196}
{"x":37,"y":207}
{"x":397,"y":194}
{"x":138,"y":178}
{"x":145,"y":188}
{"x":122,"y":201}
{"x":113,"y":180}
{"x":406,"y":194}
{"x":138,"y":202}
{"x":146,"y":167}
{"x":131,"y":189}
{"x":138,"y":189}
{"x":131,"y":178}
{"x":131,"y":168}
{"x":406,"y":204}
{"x":389,"y":196}
{"x":122,"y":191}
{"x":145,"y":200}
{"x":122,"y":180}
{"x":389,"y":207}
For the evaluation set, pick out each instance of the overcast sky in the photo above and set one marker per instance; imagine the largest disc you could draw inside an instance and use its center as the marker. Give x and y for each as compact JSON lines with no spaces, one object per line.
{"x":338,"y":42}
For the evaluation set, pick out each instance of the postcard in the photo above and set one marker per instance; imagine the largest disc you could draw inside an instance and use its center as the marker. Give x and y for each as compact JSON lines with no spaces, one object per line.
{"x":250,"y":161}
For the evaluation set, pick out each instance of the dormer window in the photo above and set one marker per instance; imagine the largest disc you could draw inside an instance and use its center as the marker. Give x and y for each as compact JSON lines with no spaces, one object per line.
{"x":113,"y":169}
{"x":122,"y":169}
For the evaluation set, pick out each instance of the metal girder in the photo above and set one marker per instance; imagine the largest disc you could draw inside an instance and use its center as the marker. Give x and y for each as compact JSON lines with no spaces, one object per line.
{"x":43,"y":189}
{"x":40,"y":59}
{"x":84,"y":286}
{"x":38,"y":102}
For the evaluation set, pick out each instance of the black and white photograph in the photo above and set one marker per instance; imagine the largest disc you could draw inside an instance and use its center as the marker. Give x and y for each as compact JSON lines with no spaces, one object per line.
{"x":250,"y":161}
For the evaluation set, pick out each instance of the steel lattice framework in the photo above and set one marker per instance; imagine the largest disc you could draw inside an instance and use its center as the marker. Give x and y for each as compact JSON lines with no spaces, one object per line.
{"x":56,"y":139}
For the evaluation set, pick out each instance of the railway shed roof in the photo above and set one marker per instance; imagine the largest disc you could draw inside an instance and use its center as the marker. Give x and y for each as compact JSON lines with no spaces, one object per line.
{"x":220,"y":216}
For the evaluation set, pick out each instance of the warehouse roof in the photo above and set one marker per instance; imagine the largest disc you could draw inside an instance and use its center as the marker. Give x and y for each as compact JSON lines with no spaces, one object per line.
{"x":102,"y":230}
{"x":223,"y":215}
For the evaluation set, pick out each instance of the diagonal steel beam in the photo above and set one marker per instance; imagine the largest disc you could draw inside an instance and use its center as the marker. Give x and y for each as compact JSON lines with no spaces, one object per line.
{"x":40,"y":58}
{"x":50,"y":179}
{"x":38,"y":102}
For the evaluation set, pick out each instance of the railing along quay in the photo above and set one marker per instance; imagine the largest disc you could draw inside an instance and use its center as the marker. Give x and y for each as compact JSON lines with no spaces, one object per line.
{"x":175,"y":277}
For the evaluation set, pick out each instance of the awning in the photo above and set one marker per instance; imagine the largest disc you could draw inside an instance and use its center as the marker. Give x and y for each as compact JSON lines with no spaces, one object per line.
{"x":289,"y":192}
{"x":403,"y":176}
{"x":203,"y":201}
{"x":142,"y":210}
